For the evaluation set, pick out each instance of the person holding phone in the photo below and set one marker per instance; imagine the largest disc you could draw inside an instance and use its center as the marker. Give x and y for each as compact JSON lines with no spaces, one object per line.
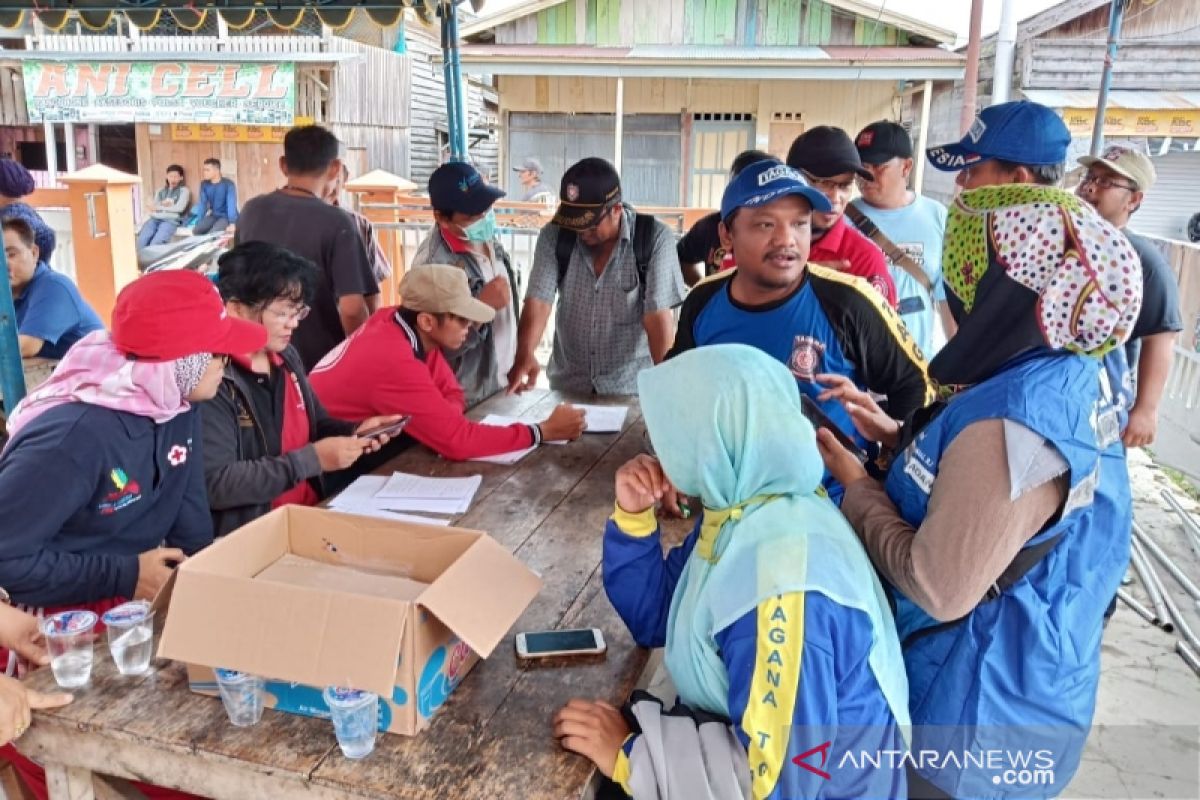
{"x":267,"y":438}
{"x":1003,"y":527}
{"x":777,"y":632}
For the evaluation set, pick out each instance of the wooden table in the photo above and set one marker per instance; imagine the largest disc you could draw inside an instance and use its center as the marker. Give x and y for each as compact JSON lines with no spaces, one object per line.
{"x":493,"y":737}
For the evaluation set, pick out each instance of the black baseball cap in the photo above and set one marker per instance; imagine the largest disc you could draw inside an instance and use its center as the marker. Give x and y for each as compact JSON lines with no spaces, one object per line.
{"x":882,"y":141}
{"x":458,"y":186}
{"x":589,"y":188}
{"x":825,"y":151}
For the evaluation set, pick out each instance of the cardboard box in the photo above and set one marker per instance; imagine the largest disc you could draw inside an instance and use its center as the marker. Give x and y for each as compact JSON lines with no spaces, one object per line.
{"x":308,"y":598}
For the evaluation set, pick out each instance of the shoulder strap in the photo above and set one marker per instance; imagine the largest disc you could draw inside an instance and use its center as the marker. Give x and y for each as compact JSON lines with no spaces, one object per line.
{"x":564,"y":246}
{"x":890,"y":248}
{"x":643,"y":245}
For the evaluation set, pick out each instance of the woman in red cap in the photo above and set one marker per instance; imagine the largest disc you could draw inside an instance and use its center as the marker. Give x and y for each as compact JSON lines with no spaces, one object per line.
{"x":102,"y":481}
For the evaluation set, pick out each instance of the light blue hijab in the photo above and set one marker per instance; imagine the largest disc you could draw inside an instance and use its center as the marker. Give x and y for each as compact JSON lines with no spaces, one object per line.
{"x":725,"y":422}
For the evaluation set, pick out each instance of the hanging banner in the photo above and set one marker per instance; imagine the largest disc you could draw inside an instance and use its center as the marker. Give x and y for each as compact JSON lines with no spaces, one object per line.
{"x":249,"y":94}
{"x":1181,"y":122}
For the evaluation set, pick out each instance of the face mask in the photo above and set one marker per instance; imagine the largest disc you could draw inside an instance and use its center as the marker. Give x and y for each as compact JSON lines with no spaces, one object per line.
{"x":483,"y":230}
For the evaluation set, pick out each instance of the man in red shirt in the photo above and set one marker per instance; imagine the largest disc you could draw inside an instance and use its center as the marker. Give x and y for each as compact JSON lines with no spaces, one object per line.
{"x":829,"y":160}
{"x":396,"y":362}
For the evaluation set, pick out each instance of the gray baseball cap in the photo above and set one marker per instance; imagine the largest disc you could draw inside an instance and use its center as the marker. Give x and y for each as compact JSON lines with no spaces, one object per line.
{"x":529,"y":165}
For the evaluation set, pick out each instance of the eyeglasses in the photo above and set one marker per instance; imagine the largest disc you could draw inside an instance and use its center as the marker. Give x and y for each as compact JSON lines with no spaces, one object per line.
{"x":827,"y":185}
{"x":295,"y":313}
{"x":1103,"y":182}
{"x":604,"y":214}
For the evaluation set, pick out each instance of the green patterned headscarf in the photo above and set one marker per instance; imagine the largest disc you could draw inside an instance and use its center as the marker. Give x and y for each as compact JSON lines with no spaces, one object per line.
{"x":1031,"y":266}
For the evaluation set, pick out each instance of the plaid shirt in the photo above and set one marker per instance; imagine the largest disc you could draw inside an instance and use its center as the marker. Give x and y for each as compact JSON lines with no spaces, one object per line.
{"x":600,"y":343}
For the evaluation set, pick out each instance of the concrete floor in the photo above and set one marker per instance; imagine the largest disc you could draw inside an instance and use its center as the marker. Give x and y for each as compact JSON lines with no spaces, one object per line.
{"x":1146,"y":738}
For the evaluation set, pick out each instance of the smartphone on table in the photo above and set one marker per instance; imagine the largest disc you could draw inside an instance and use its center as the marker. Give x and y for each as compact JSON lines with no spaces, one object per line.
{"x":385,"y":430}
{"x":819,"y":419}
{"x":560,"y":644}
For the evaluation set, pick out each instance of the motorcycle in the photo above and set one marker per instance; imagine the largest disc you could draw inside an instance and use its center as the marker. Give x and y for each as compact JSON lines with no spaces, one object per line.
{"x":198,"y":253}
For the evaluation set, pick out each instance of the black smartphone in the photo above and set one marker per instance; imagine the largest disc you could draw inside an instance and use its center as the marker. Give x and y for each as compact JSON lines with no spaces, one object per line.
{"x":819,"y":419}
{"x":382,"y":430}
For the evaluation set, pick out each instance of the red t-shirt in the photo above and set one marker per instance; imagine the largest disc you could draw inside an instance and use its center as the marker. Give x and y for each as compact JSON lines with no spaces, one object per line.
{"x":377,"y":371}
{"x":842,"y":243}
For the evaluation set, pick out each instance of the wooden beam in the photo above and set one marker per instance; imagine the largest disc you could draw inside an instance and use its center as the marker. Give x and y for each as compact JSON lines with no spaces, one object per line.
{"x":872,"y":11}
{"x":508,"y":15}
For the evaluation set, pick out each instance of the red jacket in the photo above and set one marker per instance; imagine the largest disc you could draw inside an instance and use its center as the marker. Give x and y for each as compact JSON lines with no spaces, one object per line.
{"x":844,"y":243}
{"x":382,"y":369}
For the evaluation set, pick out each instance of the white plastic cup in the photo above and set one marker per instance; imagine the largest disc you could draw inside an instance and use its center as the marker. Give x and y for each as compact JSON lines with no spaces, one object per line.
{"x":69,"y":637}
{"x":355,"y":716}
{"x":242,"y":695}
{"x":131,"y":636}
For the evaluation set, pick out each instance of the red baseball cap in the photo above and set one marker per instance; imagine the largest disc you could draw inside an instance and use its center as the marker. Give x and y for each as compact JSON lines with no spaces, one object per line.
{"x":168,"y":315}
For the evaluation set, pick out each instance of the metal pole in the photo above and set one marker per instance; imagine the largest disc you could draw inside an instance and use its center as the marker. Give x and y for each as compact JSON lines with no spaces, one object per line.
{"x":620,"y":124}
{"x":1188,"y":585}
{"x":971,"y":79}
{"x":1115,"y":14}
{"x":1141,"y":565}
{"x":922,"y":137}
{"x":1189,"y":524}
{"x":51,"y":153}
{"x":1006,"y":42}
{"x":12,"y":376}
{"x":1137,"y":607}
{"x":1189,"y":655}
{"x":69,"y":136}
{"x":456,"y":101}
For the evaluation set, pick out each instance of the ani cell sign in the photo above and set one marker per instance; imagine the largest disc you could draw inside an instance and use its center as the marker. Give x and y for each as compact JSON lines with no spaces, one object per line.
{"x":246,"y":94}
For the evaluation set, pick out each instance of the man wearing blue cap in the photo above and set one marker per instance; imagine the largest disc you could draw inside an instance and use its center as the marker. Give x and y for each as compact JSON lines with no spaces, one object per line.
{"x":1019,"y":142}
{"x":464,"y":235}
{"x":819,"y":322}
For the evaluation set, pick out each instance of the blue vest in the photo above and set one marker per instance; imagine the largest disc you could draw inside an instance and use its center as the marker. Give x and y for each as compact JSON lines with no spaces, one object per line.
{"x":1019,"y":673}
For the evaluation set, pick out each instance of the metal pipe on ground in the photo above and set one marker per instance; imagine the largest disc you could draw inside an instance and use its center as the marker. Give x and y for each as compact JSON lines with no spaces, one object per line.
{"x":1137,"y":607}
{"x":1174,"y":614}
{"x":1189,"y":655}
{"x":1141,"y":565}
{"x":1189,"y":523}
{"x":1188,"y":585}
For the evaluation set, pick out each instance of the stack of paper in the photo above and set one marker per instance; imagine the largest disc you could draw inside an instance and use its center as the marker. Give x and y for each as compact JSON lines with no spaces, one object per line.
{"x":359,"y":498}
{"x":603,"y":419}
{"x":404,"y":492}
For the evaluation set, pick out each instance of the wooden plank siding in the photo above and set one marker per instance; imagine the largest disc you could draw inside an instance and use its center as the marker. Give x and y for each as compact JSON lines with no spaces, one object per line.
{"x":1074,"y":64}
{"x":1165,"y":19}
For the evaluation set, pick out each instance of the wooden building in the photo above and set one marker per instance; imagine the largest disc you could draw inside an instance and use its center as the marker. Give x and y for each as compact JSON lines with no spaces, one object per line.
{"x":672,"y":90}
{"x":378,"y":87}
{"x":1154,"y":104}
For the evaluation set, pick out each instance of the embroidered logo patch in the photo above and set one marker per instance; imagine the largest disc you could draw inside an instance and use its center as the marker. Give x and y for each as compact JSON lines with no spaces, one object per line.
{"x":805,"y":360}
{"x":921,"y":476}
{"x":572,"y":192}
{"x":977,"y":129}
{"x":177,"y":455}
{"x":127,"y":493}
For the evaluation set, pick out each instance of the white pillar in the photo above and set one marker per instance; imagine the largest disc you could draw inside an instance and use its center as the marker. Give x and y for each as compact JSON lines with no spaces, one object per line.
{"x":620,"y":127}
{"x":923,"y":136}
{"x":69,"y":137}
{"x":93,"y":144}
{"x":1006,"y":43}
{"x":51,"y":153}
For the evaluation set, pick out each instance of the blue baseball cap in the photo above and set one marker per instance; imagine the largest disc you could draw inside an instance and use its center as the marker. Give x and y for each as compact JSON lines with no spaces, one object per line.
{"x":1022,"y":132}
{"x":458,"y":186}
{"x":764,"y":181}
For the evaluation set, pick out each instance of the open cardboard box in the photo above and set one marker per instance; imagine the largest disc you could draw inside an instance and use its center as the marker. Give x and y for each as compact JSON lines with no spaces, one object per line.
{"x":309,"y":598}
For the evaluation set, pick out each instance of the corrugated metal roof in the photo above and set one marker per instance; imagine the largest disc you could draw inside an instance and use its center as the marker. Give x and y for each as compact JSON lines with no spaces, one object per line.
{"x":713,"y":53}
{"x":1117,"y":98}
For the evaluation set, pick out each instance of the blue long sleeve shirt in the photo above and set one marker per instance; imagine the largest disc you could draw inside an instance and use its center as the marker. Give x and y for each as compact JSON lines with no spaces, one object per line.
{"x":801,"y":691}
{"x":85,"y":490}
{"x":218,"y":198}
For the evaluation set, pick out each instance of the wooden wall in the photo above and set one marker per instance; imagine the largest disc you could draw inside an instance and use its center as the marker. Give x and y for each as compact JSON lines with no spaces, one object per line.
{"x":253,"y":166}
{"x":729,"y":22}
{"x":1159,"y":65}
{"x":847,"y":104}
{"x":12,"y":96}
{"x":1164,"y":19}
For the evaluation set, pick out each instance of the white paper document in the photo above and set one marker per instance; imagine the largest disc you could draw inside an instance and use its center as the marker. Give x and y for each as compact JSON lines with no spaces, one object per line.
{"x":359,"y":498}
{"x":603,"y":419}
{"x":404,"y":492}
{"x":501,"y":420}
{"x":510,"y":457}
